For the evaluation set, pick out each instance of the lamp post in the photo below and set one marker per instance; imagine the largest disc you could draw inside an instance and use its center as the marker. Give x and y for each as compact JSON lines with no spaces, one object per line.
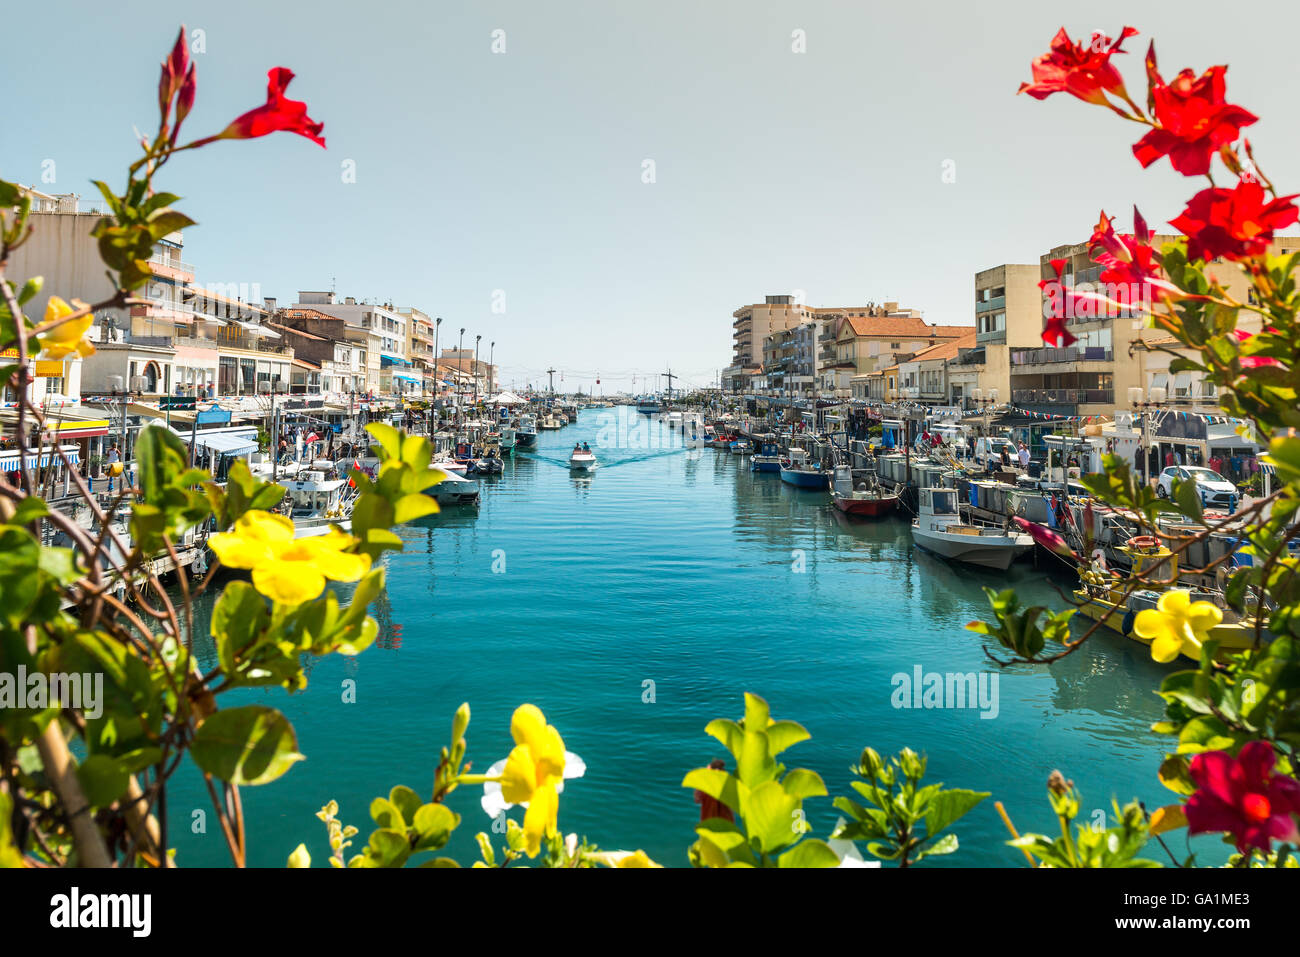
{"x":460,"y":371}
{"x":477,"y":339}
{"x":492,"y":351}
{"x":437,"y":377}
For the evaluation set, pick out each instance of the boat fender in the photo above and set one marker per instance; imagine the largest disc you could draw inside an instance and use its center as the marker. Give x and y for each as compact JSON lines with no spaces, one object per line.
{"x":1126,"y":626}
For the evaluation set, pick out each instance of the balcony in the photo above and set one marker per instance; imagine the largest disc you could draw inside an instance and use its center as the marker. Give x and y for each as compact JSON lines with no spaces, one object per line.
{"x":1069,"y":354}
{"x":1063,"y":397}
{"x":990,"y":305}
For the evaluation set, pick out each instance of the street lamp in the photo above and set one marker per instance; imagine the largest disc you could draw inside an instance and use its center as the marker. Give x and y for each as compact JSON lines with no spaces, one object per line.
{"x":492,"y":351}
{"x":460,"y":368}
{"x":437,"y":379}
{"x":477,"y":339}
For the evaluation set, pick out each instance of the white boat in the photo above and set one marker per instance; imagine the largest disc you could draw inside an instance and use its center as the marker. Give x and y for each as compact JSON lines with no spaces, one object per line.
{"x":454,"y":489}
{"x":526,"y":434}
{"x":582,"y":460}
{"x":939,"y":528}
{"x":316,"y":502}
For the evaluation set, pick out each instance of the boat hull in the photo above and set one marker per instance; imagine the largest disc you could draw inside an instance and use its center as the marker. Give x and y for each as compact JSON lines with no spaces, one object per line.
{"x":582,"y":463}
{"x":866,"y":507}
{"x":763,"y":466}
{"x":525,"y":440}
{"x":969,"y":549}
{"x":1233,"y":637}
{"x":801,"y":479}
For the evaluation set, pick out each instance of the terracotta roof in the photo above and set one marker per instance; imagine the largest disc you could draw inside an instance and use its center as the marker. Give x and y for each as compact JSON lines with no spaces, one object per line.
{"x":302,"y":312}
{"x":903,"y":326}
{"x":946,"y":350}
{"x":297,"y":332}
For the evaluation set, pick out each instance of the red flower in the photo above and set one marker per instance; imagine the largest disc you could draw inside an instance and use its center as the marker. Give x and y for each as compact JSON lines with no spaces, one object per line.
{"x":1192,"y":119}
{"x":1083,"y":71}
{"x":1056,"y":307}
{"x":1243,"y":797}
{"x":1254,"y":362}
{"x":174,"y":70}
{"x":1045,"y":536}
{"x":1235,"y":223}
{"x":278,"y":114}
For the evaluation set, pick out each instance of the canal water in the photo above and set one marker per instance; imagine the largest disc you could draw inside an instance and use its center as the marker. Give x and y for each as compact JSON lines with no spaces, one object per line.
{"x":636,"y":604}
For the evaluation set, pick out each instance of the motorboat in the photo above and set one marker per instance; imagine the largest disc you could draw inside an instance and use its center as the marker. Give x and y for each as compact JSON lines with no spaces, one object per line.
{"x":549,"y":423}
{"x":798,"y":470}
{"x":940,"y":528}
{"x":647,"y":405}
{"x":454,"y":489}
{"x":526,"y":434}
{"x":315,"y":502}
{"x":506,"y":442}
{"x":858,"y":492}
{"x":741,"y":446}
{"x":582,"y":459}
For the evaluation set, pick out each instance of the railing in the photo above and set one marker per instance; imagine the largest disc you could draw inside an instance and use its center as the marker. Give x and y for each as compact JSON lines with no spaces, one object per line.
{"x":987,"y":305}
{"x":1068,"y":354}
{"x":158,"y":259}
{"x":243,"y":343}
{"x":1062,"y":396}
{"x":972,"y":358}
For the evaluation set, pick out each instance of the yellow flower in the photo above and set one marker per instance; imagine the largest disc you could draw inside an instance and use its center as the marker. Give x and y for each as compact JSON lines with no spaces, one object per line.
{"x":1174,"y":622}
{"x":287,"y":570}
{"x":637,"y":859}
{"x":67,"y":338}
{"x":533,"y":770}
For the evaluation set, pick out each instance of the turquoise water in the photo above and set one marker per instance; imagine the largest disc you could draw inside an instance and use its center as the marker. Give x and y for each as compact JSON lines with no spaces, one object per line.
{"x":681,"y":568}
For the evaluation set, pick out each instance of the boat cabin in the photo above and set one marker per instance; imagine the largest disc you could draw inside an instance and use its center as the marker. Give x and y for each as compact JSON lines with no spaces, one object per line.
{"x":938,"y":501}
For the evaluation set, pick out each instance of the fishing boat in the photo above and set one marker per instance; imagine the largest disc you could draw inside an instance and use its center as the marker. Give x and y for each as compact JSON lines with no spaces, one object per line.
{"x":549,"y":423}
{"x":1101,"y":594}
{"x":767,"y":459}
{"x":582,"y":460}
{"x":647,"y":405}
{"x":722,"y":441}
{"x":526,"y":434}
{"x":741,"y":446}
{"x":506,"y":442}
{"x":858,"y":492}
{"x":798,"y":471}
{"x":940,"y":528}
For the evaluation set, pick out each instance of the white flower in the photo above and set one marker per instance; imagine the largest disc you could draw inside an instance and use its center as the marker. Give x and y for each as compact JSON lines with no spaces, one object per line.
{"x":495,"y":804}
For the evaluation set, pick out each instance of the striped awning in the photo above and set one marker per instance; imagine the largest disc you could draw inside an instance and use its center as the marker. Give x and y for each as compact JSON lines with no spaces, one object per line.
{"x":11,"y":462}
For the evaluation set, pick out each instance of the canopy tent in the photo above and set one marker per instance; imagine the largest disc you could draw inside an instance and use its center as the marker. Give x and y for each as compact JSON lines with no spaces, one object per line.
{"x":11,"y":461}
{"x":507,"y":398}
{"x":226,"y":443}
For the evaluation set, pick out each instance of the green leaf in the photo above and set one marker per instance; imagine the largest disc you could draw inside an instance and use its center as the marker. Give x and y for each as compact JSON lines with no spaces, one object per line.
{"x":785,"y":734}
{"x":809,"y":853}
{"x":103,"y":778}
{"x":434,"y":824}
{"x":252,"y":744}
{"x":718,"y":785}
{"x":770,"y":817}
{"x":803,"y":783}
{"x":946,"y":807}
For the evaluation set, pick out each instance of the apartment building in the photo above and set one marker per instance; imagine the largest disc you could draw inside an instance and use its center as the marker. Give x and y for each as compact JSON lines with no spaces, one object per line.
{"x":925,"y":376}
{"x":381,"y":333}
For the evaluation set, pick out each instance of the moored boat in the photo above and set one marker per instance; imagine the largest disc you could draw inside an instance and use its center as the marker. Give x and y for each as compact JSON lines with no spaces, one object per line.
{"x":940,"y":528}
{"x":857,"y":492}
{"x":798,"y":471}
{"x":1102,"y":597}
{"x":767,"y":459}
{"x":526,"y":434}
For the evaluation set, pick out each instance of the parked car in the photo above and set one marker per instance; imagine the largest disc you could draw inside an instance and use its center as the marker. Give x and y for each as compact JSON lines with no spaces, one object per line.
{"x":1215,"y":490}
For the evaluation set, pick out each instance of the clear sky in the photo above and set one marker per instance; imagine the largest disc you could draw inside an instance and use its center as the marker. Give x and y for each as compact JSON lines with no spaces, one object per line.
{"x":522,"y":171}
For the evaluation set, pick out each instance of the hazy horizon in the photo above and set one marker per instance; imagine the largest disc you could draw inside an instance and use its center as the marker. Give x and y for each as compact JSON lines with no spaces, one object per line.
{"x":522,"y":171}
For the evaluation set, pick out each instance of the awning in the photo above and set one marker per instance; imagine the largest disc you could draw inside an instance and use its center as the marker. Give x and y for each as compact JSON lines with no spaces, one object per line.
{"x":80,"y":430}
{"x":11,"y":462}
{"x":394,"y":360}
{"x":258,"y":330}
{"x":406,"y":378}
{"x":225,"y":443}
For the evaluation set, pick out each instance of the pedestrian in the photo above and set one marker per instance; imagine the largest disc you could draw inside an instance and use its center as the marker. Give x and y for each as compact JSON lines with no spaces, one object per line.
{"x":1023,"y":455}
{"x":114,"y":459}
